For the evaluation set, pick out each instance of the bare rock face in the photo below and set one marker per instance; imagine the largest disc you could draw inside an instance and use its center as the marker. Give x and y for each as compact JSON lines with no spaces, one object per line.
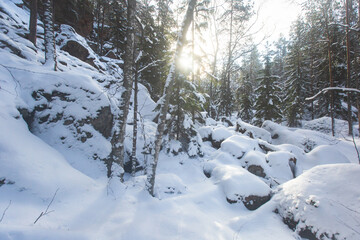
{"x":251,"y":202}
{"x":257,"y":170}
{"x":77,"y":14}
{"x":79,"y":51}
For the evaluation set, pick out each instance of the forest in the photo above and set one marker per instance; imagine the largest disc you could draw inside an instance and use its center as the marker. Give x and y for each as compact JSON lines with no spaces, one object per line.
{"x":179,"y":119}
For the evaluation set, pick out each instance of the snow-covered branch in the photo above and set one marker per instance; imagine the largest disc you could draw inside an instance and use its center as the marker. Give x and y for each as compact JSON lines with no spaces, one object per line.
{"x":338,"y":89}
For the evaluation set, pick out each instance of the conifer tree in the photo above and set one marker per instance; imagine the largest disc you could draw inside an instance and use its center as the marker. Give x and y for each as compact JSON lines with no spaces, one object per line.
{"x":295,"y":77}
{"x":267,"y":105}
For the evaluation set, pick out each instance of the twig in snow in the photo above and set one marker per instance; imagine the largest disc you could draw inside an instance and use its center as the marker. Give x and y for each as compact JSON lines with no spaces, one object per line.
{"x":357,"y":151}
{"x":2,"y":217}
{"x":47,"y":209}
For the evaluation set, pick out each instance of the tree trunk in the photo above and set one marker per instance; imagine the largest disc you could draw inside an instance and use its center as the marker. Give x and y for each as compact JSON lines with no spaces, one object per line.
{"x":348,"y":72}
{"x":331,"y":80}
{"x":49,"y":38}
{"x":117,"y":141}
{"x":133,"y":152}
{"x":33,"y":21}
{"x":229,"y":63}
{"x":150,"y":183}
{"x":357,"y":80}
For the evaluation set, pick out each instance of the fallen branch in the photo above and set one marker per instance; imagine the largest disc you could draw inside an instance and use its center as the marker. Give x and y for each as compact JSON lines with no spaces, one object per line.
{"x":47,"y":209}
{"x":337,"y":89}
{"x":2,"y":217}
{"x":357,"y":151}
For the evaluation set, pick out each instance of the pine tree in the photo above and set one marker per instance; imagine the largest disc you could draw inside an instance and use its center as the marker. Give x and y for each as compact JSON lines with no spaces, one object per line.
{"x":295,"y":74}
{"x":268,"y":101}
{"x":245,"y":97}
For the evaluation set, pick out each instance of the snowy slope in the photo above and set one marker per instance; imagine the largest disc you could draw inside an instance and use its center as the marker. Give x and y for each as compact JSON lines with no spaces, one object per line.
{"x":53,"y":146}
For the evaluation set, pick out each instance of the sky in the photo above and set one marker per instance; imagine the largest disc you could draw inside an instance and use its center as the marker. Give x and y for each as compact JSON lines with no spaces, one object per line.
{"x":275,"y":17}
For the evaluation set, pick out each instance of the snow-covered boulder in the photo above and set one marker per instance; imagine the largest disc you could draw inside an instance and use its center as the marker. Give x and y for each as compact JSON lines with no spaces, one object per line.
{"x":281,"y":166}
{"x":302,"y":138}
{"x":239,"y":185}
{"x":321,"y":155}
{"x":239,"y":145}
{"x":254,"y":162}
{"x":252,"y":131}
{"x":322,"y":203}
{"x":205,"y":133}
{"x":219,"y":135}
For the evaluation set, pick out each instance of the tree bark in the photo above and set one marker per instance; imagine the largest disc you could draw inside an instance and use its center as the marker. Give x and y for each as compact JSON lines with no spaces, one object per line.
{"x":348,"y":72}
{"x":133,"y":152}
{"x":49,"y":37}
{"x":331,"y":80}
{"x":150,"y":183}
{"x":118,"y":150}
{"x":33,"y":21}
{"x":357,"y":80}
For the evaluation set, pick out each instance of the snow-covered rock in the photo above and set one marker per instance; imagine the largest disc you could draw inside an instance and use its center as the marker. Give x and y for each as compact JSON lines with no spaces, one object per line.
{"x":239,"y":185}
{"x":252,"y":131}
{"x":322,"y":203}
{"x":218,"y":135}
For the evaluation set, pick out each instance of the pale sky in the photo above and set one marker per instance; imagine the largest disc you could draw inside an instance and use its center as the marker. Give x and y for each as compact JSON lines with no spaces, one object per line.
{"x":276,"y":17}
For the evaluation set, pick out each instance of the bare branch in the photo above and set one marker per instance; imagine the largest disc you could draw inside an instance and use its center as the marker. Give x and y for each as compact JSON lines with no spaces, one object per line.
{"x":47,"y":208}
{"x":2,"y":217}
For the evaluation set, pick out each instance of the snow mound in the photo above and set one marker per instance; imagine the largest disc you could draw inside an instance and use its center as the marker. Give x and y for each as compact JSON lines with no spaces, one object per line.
{"x":238,"y":145}
{"x":252,"y":131}
{"x":169,"y":185}
{"x":321,"y":155}
{"x":219,"y":134}
{"x":305,"y":139}
{"x":323,"y":202}
{"x":281,"y":166}
{"x":239,"y":185}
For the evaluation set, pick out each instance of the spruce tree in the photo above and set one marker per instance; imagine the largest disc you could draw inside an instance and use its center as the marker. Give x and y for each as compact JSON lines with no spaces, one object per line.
{"x":267,"y":105}
{"x":295,"y":77}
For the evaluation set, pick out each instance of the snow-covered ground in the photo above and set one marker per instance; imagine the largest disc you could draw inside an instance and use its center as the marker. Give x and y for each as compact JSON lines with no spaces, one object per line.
{"x":243,"y":188}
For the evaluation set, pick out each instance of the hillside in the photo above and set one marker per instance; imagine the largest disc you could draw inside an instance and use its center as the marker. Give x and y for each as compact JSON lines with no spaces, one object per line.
{"x":272,"y":182}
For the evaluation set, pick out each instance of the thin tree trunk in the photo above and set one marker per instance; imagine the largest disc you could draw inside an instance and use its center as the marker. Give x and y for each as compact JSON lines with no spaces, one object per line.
{"x":312,"y":86}
{"x":33,"y":21}
{"x":117,"y":141}
{"x":133,"y":153}
{"x":228,"y":76}
{"x":49,"y":38}
{"x":330,"y":71}
{"x":150,"y":183}
{"x":357,"y":80}
{"x":348,"y":72}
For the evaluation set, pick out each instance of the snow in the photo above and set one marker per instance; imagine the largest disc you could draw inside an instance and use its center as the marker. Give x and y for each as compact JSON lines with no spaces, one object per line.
{"x":221,"y":133}
{"x":238,"y":145}
{"x":325,"y":199}
{"x":236,"y":181}
{"x":38,"y":159}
